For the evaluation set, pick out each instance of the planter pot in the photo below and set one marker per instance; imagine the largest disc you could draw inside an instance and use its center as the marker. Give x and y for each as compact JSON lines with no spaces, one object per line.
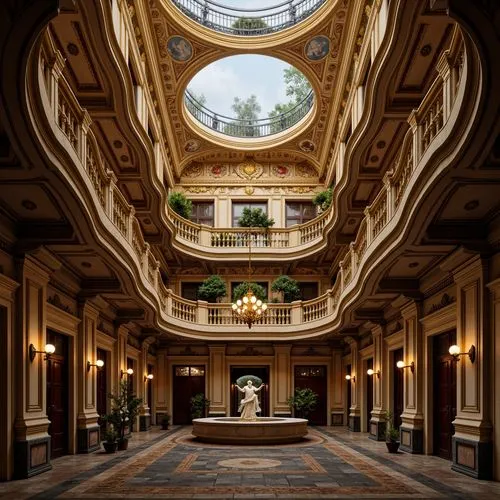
{"x":110,"y":447}
{"x":122,"y":444}
{"x":392,"y":446}
{"x":164,"y":427}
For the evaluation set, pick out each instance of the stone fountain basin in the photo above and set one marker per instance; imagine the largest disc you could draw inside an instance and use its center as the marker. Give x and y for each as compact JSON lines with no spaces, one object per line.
{"x":264,"y":430}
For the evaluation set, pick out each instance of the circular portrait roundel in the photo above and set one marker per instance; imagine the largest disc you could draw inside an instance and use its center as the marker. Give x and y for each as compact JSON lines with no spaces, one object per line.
{"x":317,"y":48}
{"x":179,"y":48}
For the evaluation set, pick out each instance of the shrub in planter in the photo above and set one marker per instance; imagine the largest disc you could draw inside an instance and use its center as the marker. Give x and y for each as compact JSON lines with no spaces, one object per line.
{"x":304,"y":401}
{"x":165,"y":421}
{"x":213,"y":288}
{"x":242,"y":289}
{"x":180,"y":204}
{"x":254,"y":217}
{"x":288,"y":287}
{"x":109,"y":443}
{"x":323,"y":200}
{"x":391,"y":433}
{"x":199,"y":404}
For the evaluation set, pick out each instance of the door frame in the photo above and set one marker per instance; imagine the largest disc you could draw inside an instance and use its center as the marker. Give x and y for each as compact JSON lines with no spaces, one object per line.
{"x":361,"y":379}
{"x":66,"y":324}
{"x":392,"y":343}
{"x":441,"y":321}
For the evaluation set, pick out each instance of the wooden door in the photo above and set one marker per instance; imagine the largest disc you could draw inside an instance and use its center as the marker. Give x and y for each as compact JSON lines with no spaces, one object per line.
{"x":348,"y":389}
{"x":397,"y":388}
{"x":314,"y":377}
{"x":445,"y":394}
{"x":57,"y":394}
{"x":188,"y":381}
{"x":369,"y":394}
{"x":102,"y":387}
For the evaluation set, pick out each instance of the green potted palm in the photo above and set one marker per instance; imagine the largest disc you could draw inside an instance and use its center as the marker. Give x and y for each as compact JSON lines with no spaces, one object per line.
{"x":165,"y":421}
{"x":323,"y":200}
{"x":180,"y":204}
{"x":212,"y":289}
{"x":124,"y":410}
{"x":242,"y":289}
{"x":199,"y":404}
{"x":303,"y":402}
{"x":287,"y":287}
{"x":109,"y":443}
{"x":255,"y":217}
{"x":391,"y":433}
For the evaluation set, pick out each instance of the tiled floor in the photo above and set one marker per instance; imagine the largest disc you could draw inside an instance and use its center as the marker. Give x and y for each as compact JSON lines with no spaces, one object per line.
{"x":332,"y":463}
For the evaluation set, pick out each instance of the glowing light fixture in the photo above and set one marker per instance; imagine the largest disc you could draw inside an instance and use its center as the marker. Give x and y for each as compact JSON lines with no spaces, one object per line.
{"x":99,"y":363}
{"x":350,"y":377}
{"x":454,"y":350}
{"x":371,"y":372}
{"x":128,"y":372}
{"x":49,"y":349}
{"x":148,"y":377}
{"x":401,"y":365}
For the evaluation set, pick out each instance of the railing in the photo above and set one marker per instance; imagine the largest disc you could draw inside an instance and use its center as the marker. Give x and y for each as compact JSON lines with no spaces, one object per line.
{"x":235,"y":127}
{"x":206,"y":238}
{"x":72,"y":128}
{"x":248,"y":22}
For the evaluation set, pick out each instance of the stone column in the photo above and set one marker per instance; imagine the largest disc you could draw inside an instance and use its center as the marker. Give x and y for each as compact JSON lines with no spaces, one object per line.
{"x":472,"y":441}
{"x":218,"y":383}
{"x":120,"y":354}
{"x":282,"y":380}
{"x":87,"y":416}
{"x":7,"y":299}
{"x":355,"y":409}
{"x":32,"y":441}
{"x":162,"y":385}
{"x":337,"y":386}
{"x":494,"y":388}
{"x":413,"y":413}
{"x":377,"y":420}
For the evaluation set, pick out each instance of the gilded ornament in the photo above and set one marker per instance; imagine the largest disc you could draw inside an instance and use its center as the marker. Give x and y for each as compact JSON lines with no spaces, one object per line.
{"x":249,"y":190}
{"x":249,"y":170}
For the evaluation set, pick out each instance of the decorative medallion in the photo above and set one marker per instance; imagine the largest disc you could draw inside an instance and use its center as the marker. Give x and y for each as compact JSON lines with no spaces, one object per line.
{"x":307,"y":146}
{"x":194,"y":170}
{"x":305,"y":170}
{"x":191,"y":146}
{"x":249,"y":170}
{"x":317,"y":48}
{"x":280,"y":170}
{"x":300,"y":189}
{"x":218,"y":170}
{"x":179,"y":48}
{"x":249,"y":463}
{"x":249,"y":190}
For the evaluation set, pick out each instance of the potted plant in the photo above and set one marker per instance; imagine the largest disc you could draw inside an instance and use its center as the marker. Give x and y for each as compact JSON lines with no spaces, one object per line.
{"x":212,"y":289}
{"x":180,"y":204}
{"x":254,"y":217}
{"x":304,"y":401}
{"x":242,"y":289}
{"x":391,"y":434}
{"x":109,"y":443}
{"x":165,"y":421}
{"x":199,"y":404}
{"x":288,"y":287}
{"x":323,"y":200}
{"x":124,"y":410}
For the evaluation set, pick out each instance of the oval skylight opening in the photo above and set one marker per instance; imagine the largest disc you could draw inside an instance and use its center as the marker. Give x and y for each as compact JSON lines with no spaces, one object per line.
{"x":249,"y":96}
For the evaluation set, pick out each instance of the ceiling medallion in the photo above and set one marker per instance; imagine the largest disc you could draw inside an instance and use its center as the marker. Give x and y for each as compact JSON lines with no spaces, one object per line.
{"x":249,"y":170}
{"x":179,"y":48}
{"x":191,"y":146}
{"x":307,"y":146}
{"x":317,"y":48}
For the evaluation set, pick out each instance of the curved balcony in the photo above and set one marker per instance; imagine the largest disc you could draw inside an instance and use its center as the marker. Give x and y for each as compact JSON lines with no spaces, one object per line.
{"x":120,"y":233}
{"x":214,"y":243}
{"x":248,"y":22}
{"x":235,"y":127}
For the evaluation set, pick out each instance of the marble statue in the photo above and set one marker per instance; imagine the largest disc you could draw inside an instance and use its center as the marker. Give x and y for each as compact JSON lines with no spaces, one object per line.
{"x":249,"y":405}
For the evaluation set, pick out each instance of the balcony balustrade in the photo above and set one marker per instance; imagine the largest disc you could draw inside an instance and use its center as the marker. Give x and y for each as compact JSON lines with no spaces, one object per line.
{"x":71,"y":126}
{"x":248,"y":22}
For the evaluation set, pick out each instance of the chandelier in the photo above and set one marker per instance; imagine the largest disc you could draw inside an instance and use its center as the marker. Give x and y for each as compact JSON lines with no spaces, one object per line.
{"x":249,"y":309}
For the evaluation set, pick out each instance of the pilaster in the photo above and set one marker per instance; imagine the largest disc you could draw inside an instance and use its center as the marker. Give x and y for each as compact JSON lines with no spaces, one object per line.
{"x":162,"y":384}
{"x":87,"y":416}
{"x":472,"y":441}
{"x":377,"y":420}
{"x":217,"y":382}
{"x":32,"y":440}
{"x":282,"y":380}
{"x":412,"y":418}
{"x":337,"y":391}
{"x":355,"y":409}
{"x":143,"y":381}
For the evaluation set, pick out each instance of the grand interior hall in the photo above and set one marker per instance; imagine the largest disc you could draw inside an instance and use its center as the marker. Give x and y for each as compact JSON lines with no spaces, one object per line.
{"x":249,"y":249}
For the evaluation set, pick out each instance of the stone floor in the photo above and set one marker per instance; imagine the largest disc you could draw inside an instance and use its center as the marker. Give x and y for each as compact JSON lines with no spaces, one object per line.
{"x":330,"y":463}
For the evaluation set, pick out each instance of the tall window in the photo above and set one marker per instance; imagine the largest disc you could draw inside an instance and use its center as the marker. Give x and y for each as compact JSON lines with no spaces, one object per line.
{"x":203,"y":212}
{"x":189,"y":290}
{"x":298,"y":212}
{"x":239,"y":206}
{"x":308,"y":290}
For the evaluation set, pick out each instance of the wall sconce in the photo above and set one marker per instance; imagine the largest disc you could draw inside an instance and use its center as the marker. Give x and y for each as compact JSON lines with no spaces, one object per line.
{"x":99,"y":363}
{"x":128,"y":372}
{"x":148,"y":377}
{"x":350,"y":377}
{"x":370,"y":372}
{"x":454,"y":350}
{"x":49,"y":349}
{"x":401,"y":365}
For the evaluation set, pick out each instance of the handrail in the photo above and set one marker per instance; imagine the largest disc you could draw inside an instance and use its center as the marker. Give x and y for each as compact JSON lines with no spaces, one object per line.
{"x":72,"y":128}
{"x":236,"y":127}
{"x":225,"y":19}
